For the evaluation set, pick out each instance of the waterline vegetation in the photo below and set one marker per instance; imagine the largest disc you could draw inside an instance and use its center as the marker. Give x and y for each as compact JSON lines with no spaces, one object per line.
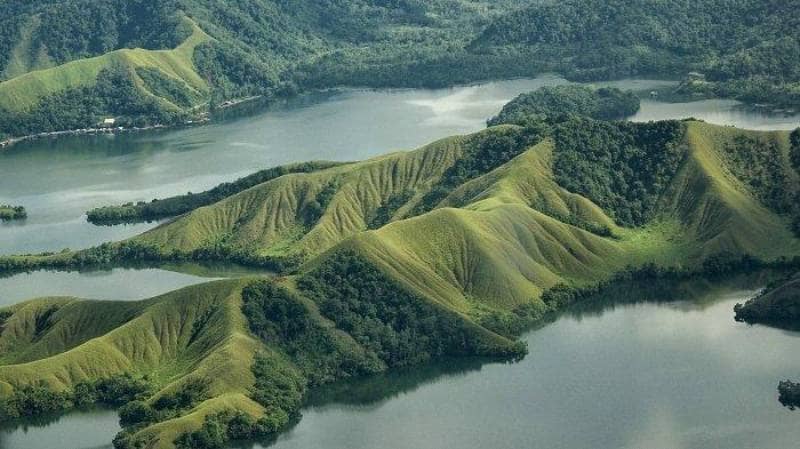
{"x":8,"y":213}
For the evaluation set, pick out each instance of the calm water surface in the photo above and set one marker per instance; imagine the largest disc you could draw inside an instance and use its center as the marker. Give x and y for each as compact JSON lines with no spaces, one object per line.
{"x":121,"y":284}
{"x":80,"y":430}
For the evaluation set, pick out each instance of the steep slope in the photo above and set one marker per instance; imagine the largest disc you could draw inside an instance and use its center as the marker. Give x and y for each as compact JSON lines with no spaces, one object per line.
{"x":719,"y":200}
{"x":24,"y":92}
{"x":305,"y":214}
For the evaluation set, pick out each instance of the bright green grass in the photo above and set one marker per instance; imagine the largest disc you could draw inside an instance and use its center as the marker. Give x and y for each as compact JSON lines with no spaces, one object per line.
{"x":25,"y":91}
{"x":704,"y":211}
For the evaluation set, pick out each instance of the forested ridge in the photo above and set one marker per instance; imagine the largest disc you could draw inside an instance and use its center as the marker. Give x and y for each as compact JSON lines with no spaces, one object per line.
{"x":747,"y":49}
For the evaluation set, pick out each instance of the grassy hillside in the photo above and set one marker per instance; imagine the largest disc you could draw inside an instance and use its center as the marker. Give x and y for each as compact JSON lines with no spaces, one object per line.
{"x":52,"y":53}
{"x":135,"y":86}
{"x":451,"y":249}
{"x":177,"y":205}
{"x":710,"y":199}
{"x":24,"y":92}
{"x":238,"y":351}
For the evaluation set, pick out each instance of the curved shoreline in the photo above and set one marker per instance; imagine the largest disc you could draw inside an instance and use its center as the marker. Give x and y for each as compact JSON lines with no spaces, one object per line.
{"x":200,"y":120}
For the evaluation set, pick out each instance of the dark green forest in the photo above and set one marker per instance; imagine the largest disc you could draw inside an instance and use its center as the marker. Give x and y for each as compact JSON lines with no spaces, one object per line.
{"x":551,"y":102}
{"x":746,"y":49}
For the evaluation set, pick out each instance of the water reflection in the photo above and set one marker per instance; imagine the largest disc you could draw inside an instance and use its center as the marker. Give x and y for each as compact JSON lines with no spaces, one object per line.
{"x":88,"y":429}
{"x":124,"y":284}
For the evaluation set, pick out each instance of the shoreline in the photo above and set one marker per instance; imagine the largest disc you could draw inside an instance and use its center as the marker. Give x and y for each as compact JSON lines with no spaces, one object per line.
{"x":200,"y":120}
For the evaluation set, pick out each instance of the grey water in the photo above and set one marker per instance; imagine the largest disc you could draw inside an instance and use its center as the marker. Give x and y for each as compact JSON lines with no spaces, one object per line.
{"x":119,"y":284}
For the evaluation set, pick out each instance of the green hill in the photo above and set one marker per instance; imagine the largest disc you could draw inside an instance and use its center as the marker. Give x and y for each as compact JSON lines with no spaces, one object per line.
{"x":242,"y":350}
{"x":449,"y":250}
{"x":717,"y":192}
{"x":600,"y":104}
{"x":176,"y":60}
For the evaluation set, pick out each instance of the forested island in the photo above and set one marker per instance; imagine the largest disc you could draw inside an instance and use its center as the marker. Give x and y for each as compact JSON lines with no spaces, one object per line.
{"x":789,"y":394}
{"x":548,"y":102}
{"x":778,"y":304}
{"x":9,"y":213}
{"x":76,"y":64}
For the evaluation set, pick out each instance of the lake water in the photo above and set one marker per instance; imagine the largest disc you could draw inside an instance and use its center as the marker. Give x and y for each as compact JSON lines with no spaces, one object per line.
{"x":623,"y":372}
{"x":58,"y":180}
{"x":122,"y":284}
{"x":80,"y":430}
{"x":669,"y":375}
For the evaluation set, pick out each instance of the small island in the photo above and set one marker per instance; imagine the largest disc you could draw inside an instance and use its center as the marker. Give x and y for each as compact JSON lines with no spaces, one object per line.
{"x":606,"y":103}
{"x":9,"y":213}
{"x":789,"y":394}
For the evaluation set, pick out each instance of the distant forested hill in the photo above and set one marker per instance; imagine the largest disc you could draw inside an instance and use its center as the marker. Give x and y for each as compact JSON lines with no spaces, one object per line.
{"x":745,"y":48}
{"x":68,"y":64}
